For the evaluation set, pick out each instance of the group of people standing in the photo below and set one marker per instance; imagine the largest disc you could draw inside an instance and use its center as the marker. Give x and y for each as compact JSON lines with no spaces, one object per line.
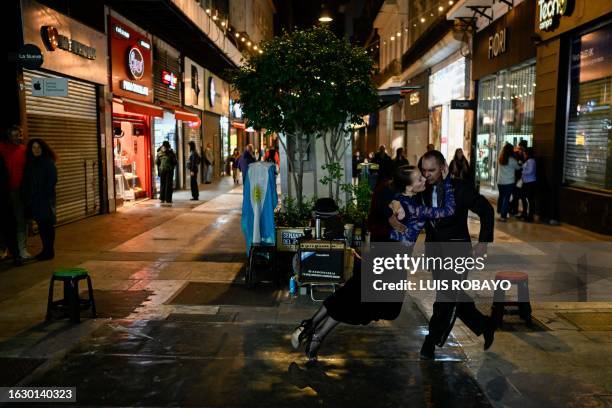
{"x":405,"y":201}
{"x":239,"y":163}
{"x":459,"y":167}
{"x":28,"y":176}
{"x":516,"y":181}
{"x":166,"y":162}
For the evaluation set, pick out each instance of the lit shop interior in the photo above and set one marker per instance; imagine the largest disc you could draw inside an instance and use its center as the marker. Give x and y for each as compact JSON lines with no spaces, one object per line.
{"x":131,"y":145}
{"x":505,"y":115}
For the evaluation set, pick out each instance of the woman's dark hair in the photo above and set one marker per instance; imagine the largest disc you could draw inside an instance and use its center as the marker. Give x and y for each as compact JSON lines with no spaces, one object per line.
{"x":506,"y":153}
{"x":456,"y":156}
{"x":402,"y":178}
{"x":47,"y":151}
{"x":192,"y":146}
{"x":167,"y":144}
{"x":529,"y":152}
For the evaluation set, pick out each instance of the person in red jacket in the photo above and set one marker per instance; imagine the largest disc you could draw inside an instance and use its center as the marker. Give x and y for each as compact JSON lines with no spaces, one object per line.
{"x":13,"y":154}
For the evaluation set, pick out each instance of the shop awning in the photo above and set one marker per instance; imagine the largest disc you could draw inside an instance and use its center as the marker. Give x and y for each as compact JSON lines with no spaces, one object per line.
{"x":186,"y":116}
{"x":142,"y":107}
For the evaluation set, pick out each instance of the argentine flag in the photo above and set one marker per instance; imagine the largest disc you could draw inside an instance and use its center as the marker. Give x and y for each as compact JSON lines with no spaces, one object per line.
{"x":259,"y":199}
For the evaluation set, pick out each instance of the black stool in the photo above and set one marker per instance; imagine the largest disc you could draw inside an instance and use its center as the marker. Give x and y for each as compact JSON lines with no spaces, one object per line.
{"x":71,"y":305}
{"x":498,"y":310}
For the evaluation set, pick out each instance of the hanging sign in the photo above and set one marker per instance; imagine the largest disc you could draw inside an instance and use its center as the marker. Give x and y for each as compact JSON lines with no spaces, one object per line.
{"x":468,"y":104}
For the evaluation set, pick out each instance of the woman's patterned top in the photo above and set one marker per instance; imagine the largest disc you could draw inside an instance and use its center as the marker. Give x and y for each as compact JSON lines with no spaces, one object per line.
{"x":417,"y":214}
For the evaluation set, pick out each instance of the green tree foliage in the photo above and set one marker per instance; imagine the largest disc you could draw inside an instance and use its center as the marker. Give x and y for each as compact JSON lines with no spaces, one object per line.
{"x":305,"y":85}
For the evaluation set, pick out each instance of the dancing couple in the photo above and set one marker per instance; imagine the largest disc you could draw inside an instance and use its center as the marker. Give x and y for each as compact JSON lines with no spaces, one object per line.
{"x":402,"y":205}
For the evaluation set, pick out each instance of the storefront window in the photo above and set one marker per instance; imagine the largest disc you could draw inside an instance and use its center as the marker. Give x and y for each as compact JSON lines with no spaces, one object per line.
{"x":588,"y":146}
{"x":505,"y":115}
{"x":130,"y":152}
{"x":447,"y":125}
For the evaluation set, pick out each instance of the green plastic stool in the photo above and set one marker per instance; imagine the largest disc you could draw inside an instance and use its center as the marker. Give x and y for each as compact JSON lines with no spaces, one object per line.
{"x":71,"y":304}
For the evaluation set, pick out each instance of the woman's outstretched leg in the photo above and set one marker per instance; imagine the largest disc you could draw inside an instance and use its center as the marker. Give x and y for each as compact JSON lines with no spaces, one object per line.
{"x":318,"y":336}
{"x":307,"y":327}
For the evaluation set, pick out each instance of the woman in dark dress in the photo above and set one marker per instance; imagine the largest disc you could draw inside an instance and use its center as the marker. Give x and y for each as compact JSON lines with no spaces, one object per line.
{"x":39,"y":180}
{"x":345,"y":305}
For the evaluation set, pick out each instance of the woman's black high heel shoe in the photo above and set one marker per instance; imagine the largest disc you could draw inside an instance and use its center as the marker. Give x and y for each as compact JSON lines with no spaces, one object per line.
{"x":301,"y":333}
{"x":313,"y":343}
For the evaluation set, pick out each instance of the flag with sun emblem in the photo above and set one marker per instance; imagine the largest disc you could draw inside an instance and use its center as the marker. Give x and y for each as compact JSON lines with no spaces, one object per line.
{"x":259,"y":199}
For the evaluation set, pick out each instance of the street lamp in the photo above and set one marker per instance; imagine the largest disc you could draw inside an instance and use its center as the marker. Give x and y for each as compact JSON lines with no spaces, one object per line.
{"x":325,"y":16}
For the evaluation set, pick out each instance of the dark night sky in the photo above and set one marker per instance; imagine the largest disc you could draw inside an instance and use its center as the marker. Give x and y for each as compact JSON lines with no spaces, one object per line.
{"x":351,"y":17}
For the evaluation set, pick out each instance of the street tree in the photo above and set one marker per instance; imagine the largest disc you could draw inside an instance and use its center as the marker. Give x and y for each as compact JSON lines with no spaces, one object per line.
{"x":307,"y":84}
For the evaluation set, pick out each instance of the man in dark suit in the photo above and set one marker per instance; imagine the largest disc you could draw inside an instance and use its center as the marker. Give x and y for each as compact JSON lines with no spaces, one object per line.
{"x":452,"y":304}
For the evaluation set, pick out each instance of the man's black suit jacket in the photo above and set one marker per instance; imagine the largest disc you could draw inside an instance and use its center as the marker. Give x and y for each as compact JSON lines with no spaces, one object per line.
{"x":455,"y":227}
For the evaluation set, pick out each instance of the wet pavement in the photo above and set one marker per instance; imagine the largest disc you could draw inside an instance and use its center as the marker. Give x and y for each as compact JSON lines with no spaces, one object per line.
{"x":158,"y":341}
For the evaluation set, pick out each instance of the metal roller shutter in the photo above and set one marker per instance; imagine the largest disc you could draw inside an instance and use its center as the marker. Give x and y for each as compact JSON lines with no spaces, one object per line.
{"x":70,"y":126}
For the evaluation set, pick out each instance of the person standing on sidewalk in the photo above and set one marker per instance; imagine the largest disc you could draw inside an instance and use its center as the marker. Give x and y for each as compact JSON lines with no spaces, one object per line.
{"x":529,"y":186}
{"x":399,"y":160}
{"x":459,"y":166}
{"x":234,"y":159}
{"x":209,"y":162}
{"x":506,"y":179}
{"x":193,"y":165}
{"x":166,"y":162}
{"x":247,"y":158}
{"x":13,"y":153}
{"x":39,"y":180}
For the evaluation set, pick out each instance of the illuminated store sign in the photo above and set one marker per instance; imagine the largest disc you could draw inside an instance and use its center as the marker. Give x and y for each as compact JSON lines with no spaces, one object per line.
{"x":497,"y":43}
{"x":212,"y":92}
{"x":168,"y":78}
{"x":136,"y":88}
{"x":136,"y":63}
{"x":551,"y":11}
{"x":122,"y":32}
{"x":54,"y":40}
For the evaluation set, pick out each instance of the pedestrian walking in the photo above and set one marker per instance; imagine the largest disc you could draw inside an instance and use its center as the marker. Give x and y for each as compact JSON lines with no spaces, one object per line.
{"x":529,"y":179}
{"x":193,"y":165}
{"x":166,"y":162}
{"x":453,"y":304}
{"x":209,"y":162}
{"x":13,"y":153}
{"x":234,"y":158}
{"x":39,"y":181}
{"x":459,"y":166}
{"x":506,"y":179}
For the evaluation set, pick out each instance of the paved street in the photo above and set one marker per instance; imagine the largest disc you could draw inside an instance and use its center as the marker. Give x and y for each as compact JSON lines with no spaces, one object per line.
{"x":177,"y":328}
